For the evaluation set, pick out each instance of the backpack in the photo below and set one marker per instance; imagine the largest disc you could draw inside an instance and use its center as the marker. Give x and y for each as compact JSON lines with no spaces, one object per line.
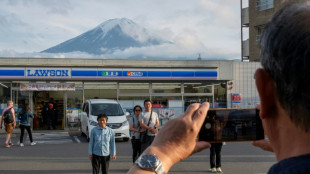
{"x":8,"y":116}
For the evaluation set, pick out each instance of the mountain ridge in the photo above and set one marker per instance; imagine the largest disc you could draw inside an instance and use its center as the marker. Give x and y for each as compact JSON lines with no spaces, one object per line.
{"x":107,"y":37}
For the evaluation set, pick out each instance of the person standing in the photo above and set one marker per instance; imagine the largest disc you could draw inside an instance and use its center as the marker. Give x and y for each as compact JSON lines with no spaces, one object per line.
{"x":215,"y":157}
{"x":135,"y":129}
{"x":149,"y":121}
{"x":8,"y":117}
{"x":101,"y":145}
{"x":50,"y":116}
{"x":24,"y":123}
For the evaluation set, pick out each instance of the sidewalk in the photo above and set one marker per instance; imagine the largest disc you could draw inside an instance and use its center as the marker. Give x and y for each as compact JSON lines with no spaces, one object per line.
{"x":17,"y":131}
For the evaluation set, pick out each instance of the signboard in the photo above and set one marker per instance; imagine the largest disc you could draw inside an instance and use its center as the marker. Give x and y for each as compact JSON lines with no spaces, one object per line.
{"x":48,"y":73}
{"x":236,"y":100}
{"x":108,"y":73}
{"x":47,"y":86}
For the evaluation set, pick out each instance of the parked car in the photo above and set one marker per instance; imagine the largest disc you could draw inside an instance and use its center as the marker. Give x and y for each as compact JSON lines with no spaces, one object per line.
{"x":116,"y":118}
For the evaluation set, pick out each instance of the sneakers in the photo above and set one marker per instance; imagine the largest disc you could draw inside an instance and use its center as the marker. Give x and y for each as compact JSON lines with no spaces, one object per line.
{"x":216,"y":170}
{"x":32,"y":144}
{"x":21,"y":144}
{"x":7,"y":145}
{"x":11,"y":144}
{"x":213,"y":170}
{"x":219,"y":170}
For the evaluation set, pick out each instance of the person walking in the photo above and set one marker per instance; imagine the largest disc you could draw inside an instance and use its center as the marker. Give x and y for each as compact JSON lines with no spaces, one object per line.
{"x":8,"y":117}
{"x":101,"y":145}
{"x":134,"y":127}
{"x":149,"y":122}
{"x":24,"y":123}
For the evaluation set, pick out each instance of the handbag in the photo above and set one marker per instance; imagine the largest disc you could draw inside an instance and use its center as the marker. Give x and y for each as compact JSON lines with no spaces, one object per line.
{"x":143,"y":135}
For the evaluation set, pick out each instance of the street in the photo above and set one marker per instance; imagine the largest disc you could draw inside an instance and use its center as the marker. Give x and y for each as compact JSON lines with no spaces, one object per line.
{"x":59,"y":152}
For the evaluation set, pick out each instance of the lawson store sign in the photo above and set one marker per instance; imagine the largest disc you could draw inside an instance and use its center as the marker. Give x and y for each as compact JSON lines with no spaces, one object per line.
{"x":108,"y":73}
{"x":48,"y":73}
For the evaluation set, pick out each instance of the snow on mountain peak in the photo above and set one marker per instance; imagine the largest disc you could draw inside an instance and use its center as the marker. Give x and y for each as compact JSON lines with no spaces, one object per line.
{"x":129,"y":28}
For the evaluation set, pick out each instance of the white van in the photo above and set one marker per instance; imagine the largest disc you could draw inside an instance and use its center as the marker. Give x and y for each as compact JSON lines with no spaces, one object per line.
{"x":116,"y":117}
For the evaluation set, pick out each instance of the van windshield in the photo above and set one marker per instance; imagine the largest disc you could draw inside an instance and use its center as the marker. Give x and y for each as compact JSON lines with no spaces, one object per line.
{"x":110,"y":109}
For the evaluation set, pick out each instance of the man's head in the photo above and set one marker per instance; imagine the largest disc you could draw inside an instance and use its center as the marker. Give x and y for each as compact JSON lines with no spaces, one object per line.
{"x":147,"y":105}
{"x":102,"y":120}
{"x":285,"y":56}
{"x":10,"y":103}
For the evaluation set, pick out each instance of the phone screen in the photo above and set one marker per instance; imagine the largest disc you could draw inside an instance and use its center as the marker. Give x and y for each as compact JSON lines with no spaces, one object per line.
{"x":231,"y":125}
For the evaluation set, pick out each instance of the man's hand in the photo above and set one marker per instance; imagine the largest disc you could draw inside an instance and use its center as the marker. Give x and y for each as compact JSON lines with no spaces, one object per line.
{"x":153,"y":130}
{"x":114,"y":157}
{"x":90,"y":157}
{"x":263,"y":144}
{"x":177,"y":138}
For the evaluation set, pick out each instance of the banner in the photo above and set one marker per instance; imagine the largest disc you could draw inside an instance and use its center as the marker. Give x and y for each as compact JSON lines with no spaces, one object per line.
{"x":47,"y":86}
{"x":236,"y":100}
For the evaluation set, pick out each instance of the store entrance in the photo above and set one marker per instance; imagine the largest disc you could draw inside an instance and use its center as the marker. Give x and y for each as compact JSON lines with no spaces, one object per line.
{"x":44,"y":102}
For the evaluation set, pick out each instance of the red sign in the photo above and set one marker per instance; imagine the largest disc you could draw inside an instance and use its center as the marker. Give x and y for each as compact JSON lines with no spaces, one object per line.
{"x":236,"y":97}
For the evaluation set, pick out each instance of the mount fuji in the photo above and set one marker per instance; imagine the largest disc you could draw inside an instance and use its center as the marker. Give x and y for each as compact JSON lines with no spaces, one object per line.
{"x":111,"y":35}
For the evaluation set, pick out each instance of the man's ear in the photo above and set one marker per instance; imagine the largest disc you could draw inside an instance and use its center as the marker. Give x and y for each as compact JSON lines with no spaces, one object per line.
{"x":267,"y":93}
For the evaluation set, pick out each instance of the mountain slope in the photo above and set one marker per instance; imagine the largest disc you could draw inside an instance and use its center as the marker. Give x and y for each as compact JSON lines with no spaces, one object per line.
{"x":114,"y":34}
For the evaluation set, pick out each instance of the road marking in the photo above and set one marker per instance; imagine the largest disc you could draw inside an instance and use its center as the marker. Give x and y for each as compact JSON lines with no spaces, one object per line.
{"x":77,"y":139}
{"x":50,"y":138}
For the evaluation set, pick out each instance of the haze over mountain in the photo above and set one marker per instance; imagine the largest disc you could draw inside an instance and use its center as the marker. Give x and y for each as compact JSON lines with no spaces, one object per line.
{"x":111,"y":35}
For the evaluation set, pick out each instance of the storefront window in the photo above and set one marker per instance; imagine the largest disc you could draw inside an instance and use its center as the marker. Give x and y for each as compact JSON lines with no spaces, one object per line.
{"x":166,"y":87}
{"x":198,"y":87}
{"x":74,"y":108}
{"x":100,"y":90}
{"x":5,"y":95}
{"x":220,"y":95}
{"x":198,"y":93}
{"x":133,"y":88}
{"x":128,"y":103}
{"x":167,"y":107}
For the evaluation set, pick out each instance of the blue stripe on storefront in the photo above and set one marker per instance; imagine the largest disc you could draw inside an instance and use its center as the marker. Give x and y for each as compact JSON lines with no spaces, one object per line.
{"x":77,"y":73}
{"x":12,"y":73}
{"x":206,"y":74}
{"x":108,"y":73}
{"x":182,"y":74}
{"x":159,"y":74}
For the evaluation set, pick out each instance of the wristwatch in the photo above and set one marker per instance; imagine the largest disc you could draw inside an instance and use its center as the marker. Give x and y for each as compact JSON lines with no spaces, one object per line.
{"x":150,"y":162}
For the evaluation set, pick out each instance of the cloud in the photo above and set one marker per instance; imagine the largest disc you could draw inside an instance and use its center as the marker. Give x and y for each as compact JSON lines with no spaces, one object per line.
{"x":208,"y":27}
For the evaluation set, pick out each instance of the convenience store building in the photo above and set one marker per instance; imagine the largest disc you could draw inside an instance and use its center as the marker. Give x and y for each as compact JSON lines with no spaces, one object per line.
{"x":172,"y":85}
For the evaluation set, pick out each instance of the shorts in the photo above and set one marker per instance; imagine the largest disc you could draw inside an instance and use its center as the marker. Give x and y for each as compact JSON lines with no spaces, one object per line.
{"x":8,"y":128}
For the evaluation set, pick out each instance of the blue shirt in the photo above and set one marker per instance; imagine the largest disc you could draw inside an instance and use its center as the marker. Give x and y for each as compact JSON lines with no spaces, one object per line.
{"x":102,"y":142}
{"x":24,"y":118}
{"x":294,"y":165}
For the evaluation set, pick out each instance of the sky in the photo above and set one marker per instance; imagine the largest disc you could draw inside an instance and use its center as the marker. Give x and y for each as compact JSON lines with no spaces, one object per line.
{"x":210,"y":28}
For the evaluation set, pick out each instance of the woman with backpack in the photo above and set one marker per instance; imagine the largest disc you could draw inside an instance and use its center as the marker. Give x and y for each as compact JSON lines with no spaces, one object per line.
{"x":135,"y":129}
{"x":8,"y":117}
{"x":24,"y":123}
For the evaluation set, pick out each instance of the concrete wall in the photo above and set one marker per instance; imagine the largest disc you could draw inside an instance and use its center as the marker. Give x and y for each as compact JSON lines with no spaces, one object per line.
{"x":244,"y":84}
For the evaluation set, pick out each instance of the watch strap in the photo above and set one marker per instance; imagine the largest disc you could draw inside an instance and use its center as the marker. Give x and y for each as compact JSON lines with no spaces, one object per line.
{"x":160,"y":169}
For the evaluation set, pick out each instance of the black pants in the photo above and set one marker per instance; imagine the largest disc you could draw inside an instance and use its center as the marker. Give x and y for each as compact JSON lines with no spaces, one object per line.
{"x":102,"y":161}
{"x":22,"y":130}
{"x":147,"y":143}
{"x":50,"y":121}
{"x":136,"y":149}
{"x":215,"y":150}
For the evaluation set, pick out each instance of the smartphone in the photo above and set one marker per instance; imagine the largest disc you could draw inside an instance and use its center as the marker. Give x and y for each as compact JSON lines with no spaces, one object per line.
{"x":231,"y":125}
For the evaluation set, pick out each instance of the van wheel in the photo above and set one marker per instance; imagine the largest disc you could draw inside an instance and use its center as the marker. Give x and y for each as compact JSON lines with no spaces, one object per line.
{"x":87,"y":135}
{"x":81,"y":132}
{"x":125,"y":139}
